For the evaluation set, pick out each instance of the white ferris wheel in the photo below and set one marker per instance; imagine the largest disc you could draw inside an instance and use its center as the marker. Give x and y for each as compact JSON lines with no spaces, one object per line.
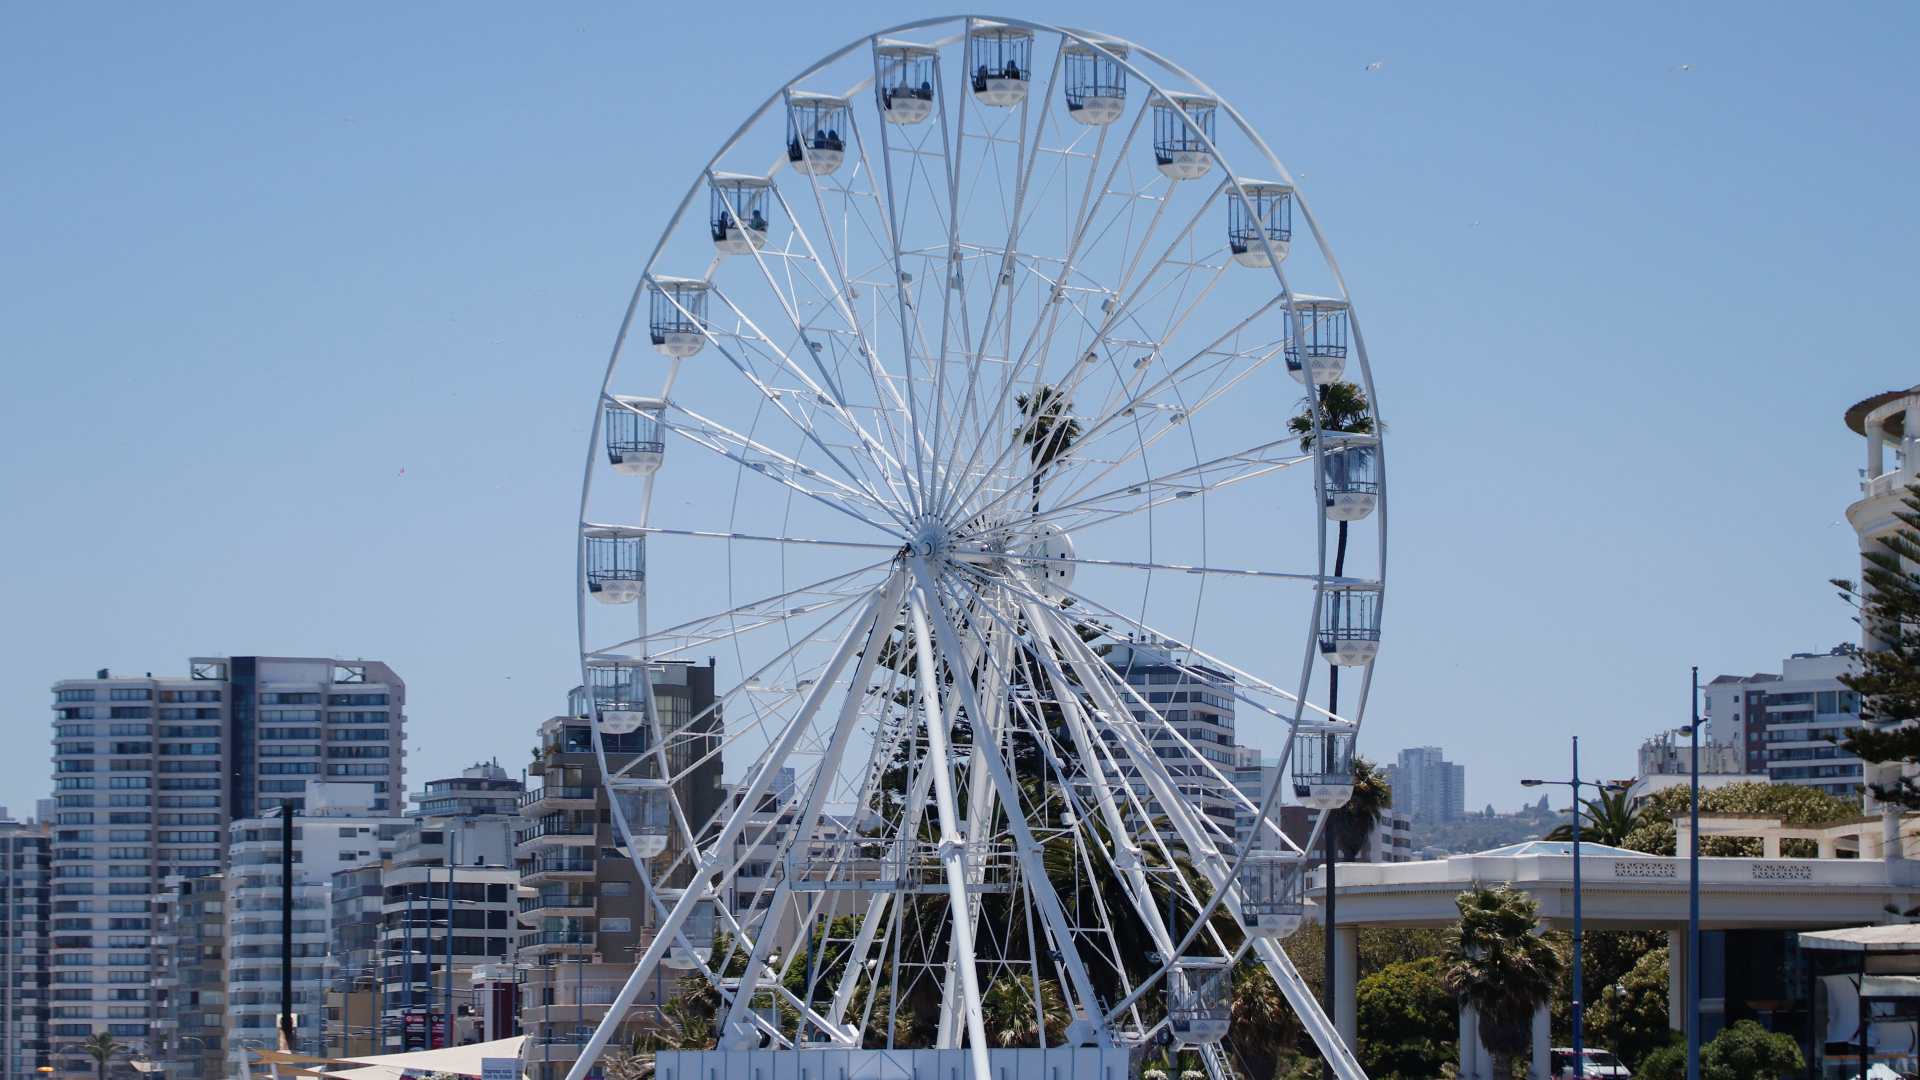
{"x":949,"y":426}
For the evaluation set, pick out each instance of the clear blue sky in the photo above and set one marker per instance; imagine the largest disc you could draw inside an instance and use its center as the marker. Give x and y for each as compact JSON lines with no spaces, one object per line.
{"x":256,"y":261}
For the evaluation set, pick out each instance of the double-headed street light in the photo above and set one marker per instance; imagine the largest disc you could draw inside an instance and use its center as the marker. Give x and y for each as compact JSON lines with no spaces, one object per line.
{"x":1575,"y":783}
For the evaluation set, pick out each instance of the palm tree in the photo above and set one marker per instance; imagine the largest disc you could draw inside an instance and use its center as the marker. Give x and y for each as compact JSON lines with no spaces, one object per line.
{"x":1342,"y":407}
{"x":1047,"y":431}
{"x":1007,"y":1008}
{"x":1261,"y":1025}
{"x":1497,"y":963}
{"x":101,"y":1046}
{"x":1372,"y":797}
{"x":1608,"y":819}
{"x":1337,"y":406}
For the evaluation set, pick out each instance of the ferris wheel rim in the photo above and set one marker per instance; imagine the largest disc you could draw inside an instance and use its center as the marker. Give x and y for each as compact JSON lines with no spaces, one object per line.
{"x":1088,"y":39}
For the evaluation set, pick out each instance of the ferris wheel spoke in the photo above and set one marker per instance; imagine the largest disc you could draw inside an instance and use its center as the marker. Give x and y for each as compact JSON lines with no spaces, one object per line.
{"x":1103,"y":335}
{"x":874,"y":458}
{"x":1175,"y":421}
{"x":1123,"y":412}
{"x":784,"y":470}
{"x":1015,"y":369}
{"x":1078,"y":688}
{"x":1067,"y":695}
{"x":692,"y":729}
{"x":1005,"y":283}
{"x":841,"y":287}
{"x":759,"y":614}
{"x":878,"y":456}
{"x":1243,"y":681}
{"x":1039,"y":888}
{"x":863,"y":440}
{"x":880,"y":628}
{"x":1218,"y":473}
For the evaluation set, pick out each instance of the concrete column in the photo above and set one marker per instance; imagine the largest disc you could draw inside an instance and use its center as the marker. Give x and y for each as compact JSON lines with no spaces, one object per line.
{"x":1346,"y":970}
{"x":1828,"y":849}
{"x":1682,"y":840}
{"x":1876,"y":452}
{"x":1911,"y":430}
{"x":1537,"y":1069}
{"x":1676,"y":980}
{"x":1770,"y":846}
{"x":1473,"y":1063}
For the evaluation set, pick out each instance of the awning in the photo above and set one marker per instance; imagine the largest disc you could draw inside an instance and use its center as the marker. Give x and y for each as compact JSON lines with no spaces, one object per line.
{"x":457,"y":1060}
{"x":1896,"y":938}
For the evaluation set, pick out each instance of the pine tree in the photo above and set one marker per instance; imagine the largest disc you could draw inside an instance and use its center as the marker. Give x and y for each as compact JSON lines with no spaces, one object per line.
{"x":1887,"y":599}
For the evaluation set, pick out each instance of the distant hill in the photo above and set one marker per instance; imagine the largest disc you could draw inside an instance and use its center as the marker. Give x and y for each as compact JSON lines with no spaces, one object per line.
{"x":1478,"y":832}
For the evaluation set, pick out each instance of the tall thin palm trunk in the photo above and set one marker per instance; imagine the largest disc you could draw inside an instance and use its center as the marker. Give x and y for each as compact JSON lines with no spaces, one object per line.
{"x":1330,"y":984}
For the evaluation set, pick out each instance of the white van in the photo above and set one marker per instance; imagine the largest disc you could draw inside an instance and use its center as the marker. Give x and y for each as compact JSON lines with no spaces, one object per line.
{"x":1600,"y":1064}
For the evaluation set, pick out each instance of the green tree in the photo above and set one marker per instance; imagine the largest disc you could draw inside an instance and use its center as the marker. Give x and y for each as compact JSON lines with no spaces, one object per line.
{"x":1498,"y":963}
{"x":101,"y":1047}
{"x":1262,"y":1028}
{"x":1372,"y":798}
{"x":1803,"y":807}
{"x":1743,"y":1051}
{"x":1408,"y":1023}
{"x":1047,"y":430}
{"x":1887,"y":602}
{"x":1747,"y":1051}
{"x":1008,"y":1012}
{"x":1629,"y":1016}
{"x":1608,"y":818}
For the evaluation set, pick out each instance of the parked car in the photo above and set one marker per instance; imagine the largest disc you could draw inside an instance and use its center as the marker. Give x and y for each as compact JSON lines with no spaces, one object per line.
{"x":1600,"y":1064}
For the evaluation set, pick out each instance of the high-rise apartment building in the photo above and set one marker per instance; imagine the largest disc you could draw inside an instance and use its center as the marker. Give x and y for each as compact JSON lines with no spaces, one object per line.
{"x":589,"y":916}
{"x":148,"y":774}
{"x":1427,"y":787}
{"x":1197,"y":704}
{"x":1788,"y":728}
{"x":459,"y":849}
{"x":337,"y":828}
{"x":25,"y":971}
{"x":190,"y":978}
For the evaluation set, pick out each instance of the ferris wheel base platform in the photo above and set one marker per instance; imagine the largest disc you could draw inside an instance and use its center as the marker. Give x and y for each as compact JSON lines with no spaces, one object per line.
{"x":1058,"y":1063}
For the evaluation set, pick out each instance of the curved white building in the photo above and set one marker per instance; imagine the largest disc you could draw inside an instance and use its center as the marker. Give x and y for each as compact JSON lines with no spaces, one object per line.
{"x":1890,"y":422}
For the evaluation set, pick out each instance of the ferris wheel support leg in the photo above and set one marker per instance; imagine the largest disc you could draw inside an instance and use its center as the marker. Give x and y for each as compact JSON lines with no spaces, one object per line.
{"x":1307,"y":1007}
{"x":909,"y":826}
{"x":1132,"y":875}
{"x":736,"y":823}
{"x":953,"y":846}
{"x":981,"y":804}
{"x":880,"y":629}
{"x":1032,"y":867}
{"x":1207,"y":859}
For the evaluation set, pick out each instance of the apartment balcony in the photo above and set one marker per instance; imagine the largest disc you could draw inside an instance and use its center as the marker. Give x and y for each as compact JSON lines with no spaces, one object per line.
{"x":555,"y":943}
{"x":554,"y":866}
{"x":547,"y":835}
{"x":556,"y":904}
{"x":555,"y":797}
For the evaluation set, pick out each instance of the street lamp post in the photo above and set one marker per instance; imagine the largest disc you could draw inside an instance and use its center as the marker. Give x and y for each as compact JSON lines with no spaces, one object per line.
{"x":1693,"y":887}
{"x":1579,"y":1005}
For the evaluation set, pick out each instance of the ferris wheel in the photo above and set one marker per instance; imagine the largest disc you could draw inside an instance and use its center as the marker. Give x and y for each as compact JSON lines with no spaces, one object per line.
{"x":992,"y":422}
